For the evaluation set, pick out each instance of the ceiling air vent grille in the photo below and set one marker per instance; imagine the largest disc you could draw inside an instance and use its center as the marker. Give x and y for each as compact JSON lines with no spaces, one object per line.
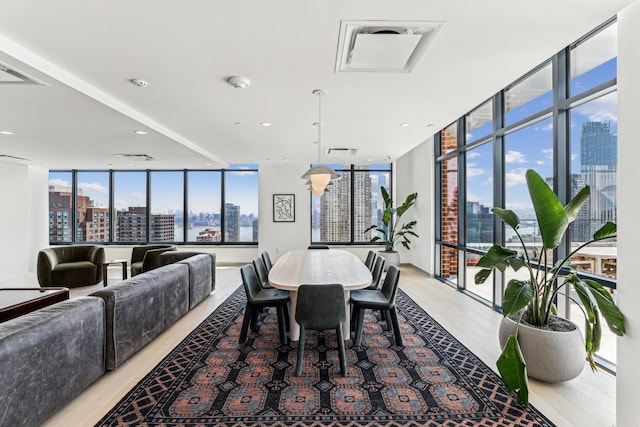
{"x":136,"y":157}
{"x":342,"y":152}
{"x":10,"y":76}
{"x":383,"y":46}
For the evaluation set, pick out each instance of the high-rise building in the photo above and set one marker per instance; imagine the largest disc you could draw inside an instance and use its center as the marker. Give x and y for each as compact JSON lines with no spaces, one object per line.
{"x":598,"y":166}
{"x":132,"y":226}
{"x":335,"y":209}
{"x":60,"y":214}
{"x":232,"y":222}
{"x":93,"y":222}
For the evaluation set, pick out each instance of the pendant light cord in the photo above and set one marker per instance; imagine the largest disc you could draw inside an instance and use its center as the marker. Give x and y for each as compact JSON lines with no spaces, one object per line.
{"x":319,"y":127}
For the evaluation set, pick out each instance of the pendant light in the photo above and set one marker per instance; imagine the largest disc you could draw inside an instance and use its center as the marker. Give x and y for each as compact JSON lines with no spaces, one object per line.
{"x":319,"y":177}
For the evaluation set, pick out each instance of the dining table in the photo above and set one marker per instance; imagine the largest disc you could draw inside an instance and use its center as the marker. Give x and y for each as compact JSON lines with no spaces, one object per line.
{"x":318,"y":267}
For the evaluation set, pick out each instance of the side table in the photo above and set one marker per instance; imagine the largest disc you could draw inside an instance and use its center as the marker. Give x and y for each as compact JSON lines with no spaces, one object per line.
{"x":107,"y":263}
{"x":15,"y":302}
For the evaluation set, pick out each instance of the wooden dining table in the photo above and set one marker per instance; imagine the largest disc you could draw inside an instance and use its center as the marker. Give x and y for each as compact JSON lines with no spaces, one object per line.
{"x":318,"y":267}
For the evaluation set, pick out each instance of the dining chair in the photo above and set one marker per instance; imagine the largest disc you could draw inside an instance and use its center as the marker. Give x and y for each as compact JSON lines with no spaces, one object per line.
{"x":257,"y":299}
{"x":376,"y":273}
{"x":318,"y":247}
{"x":321,"y":307}
{"x":384,"y":300}
{"x":263,"y":273}
{"x":371,"y":257}
{"x":267,"y":260}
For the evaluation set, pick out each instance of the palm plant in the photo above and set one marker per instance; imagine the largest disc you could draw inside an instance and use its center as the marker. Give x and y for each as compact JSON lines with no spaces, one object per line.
{"x":533,"y":299}
{"x":389,"y":232}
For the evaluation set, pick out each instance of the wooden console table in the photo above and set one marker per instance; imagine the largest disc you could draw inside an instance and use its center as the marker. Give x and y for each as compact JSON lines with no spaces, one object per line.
{"x":16,"y":302}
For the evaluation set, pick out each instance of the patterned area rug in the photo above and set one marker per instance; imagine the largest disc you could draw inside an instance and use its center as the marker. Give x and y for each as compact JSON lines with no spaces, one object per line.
{"x":209,"y":380}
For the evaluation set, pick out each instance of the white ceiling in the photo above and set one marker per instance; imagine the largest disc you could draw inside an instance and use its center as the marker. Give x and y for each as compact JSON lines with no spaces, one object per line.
{"x":88,"y":51}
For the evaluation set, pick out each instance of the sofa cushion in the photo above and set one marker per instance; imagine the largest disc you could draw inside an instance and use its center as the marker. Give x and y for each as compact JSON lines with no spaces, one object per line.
{"x":48,"y":357}
{"x":72,"y":274}
{"x":199,"y":278}
{"x":141,"y":308}
{"x":172,"y":257}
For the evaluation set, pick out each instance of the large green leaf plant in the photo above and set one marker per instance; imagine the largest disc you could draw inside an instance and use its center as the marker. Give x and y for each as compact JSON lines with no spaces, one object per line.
{"x":391,"y":232}
{"x":532,"y":299}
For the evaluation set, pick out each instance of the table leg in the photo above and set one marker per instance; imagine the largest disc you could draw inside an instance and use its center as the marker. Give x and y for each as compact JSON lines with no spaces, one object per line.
{"x":294,"y":327}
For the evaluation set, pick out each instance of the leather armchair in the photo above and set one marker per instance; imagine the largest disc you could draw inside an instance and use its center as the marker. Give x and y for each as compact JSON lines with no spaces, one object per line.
{"x":70,"y":266}
{"x":147,"y":257}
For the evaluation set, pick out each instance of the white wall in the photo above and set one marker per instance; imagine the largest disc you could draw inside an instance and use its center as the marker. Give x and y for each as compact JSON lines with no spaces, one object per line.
{"x":628,"y":375}
{"x":414,"y":174}
{"x":37,"y":213}
{"x":23,"y":219}
{"x":280,"y":237}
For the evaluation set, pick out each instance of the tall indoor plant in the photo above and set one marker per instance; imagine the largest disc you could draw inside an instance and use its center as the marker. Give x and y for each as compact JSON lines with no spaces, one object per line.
{"x":392,"y":232}
{"x":532,"y":300}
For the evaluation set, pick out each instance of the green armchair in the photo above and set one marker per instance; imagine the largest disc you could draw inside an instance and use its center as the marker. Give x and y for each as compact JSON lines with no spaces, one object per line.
{"x":70,"y":266}
{"x":147,"y":257}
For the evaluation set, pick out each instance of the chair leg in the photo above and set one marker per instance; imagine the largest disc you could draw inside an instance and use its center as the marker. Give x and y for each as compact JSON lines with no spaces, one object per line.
{"x":248,"y":316}
{"x":254,"y":318}
{"x":281,"y":325}
{"x":343,"y":359}
{"x":357,"y":340}
{"x":396,"y":326}
{"x":286,"y":316}
{"x":300,"y":351}
{"x":354,"y":316}
{"x":387,"y":319}
{"x":382,"y":316}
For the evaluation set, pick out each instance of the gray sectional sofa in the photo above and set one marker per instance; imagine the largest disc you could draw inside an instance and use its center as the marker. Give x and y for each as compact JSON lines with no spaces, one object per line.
{"x":50,"y":355}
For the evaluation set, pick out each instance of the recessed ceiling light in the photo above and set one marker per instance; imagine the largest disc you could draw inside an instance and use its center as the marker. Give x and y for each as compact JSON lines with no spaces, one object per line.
{"x":285,"y":159}
{"x":429,"y":125}
{"x":6,"y":132}
{"x":265,"y":124}
{"x":236,"y":124}
{"x":405,"y":125}
{"x":369,"y":160}
{"x":208,"y":164}
{"x":129,"y":164}
{"x":140,"y":132}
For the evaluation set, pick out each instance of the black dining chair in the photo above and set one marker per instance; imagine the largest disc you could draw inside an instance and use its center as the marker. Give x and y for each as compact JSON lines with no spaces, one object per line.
{"x":263,"y":273}
{"x":257,"y":299}
{"x":371,"y":257}
{"x":267,"y":260}
{"x":384,"y":300}
{"x":318,"y":247}
{"x":321,"y":307}
{"x":376,"y":273}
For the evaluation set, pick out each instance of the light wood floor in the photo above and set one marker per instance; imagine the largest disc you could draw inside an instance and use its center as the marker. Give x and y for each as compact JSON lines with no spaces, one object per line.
{"x":588,"y":400}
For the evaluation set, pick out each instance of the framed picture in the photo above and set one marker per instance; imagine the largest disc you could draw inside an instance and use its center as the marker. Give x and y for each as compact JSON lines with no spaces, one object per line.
{"x":284,"y":208}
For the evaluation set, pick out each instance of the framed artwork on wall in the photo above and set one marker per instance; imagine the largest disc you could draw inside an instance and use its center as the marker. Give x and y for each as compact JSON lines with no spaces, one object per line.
{"x":284,"y":208}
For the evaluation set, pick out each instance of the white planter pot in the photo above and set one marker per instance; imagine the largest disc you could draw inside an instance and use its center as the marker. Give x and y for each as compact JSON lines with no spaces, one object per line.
{"x":550,"y":356}
{"x":391,"y":258}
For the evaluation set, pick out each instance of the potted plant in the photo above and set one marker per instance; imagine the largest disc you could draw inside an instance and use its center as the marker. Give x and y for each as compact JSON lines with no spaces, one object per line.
{"x":530,"y":301}
{"x":391,"y":232}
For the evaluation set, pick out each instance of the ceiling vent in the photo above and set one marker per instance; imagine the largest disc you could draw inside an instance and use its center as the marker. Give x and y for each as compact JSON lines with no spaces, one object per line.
{"x":10,"y":76}
{"x":136,"y":157}
{"x":341,"y":152}
{"x":383,"y":46}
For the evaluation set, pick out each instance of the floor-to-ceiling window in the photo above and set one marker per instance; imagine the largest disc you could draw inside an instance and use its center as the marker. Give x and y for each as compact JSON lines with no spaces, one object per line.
{"x":350,"y":205}
{"x":146,"y":206}
{"x":560,"y":120}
